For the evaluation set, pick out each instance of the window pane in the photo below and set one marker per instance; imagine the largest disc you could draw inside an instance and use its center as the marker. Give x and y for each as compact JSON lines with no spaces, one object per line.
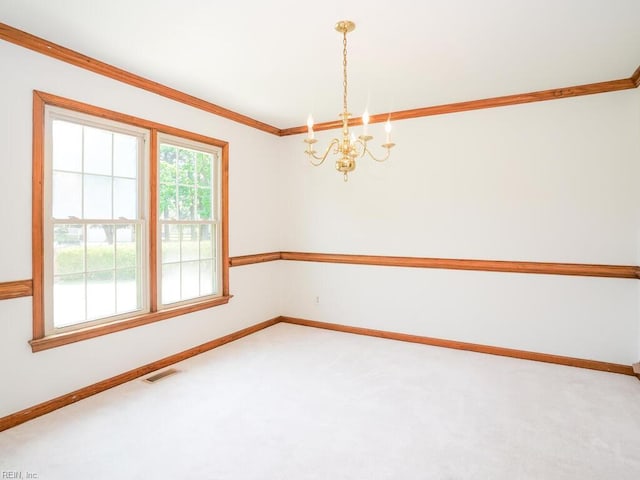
{"x":168,"y":208}
{"x":190,"y":280}
{"x":186,"y":202}
{"x":65,"y":235}
{"x":170,"y":235}
{"x":127,"y":298}
{"x":125,"y":194}
{"x":97,"y":196}
{"x":68,"y":300}
{"x":68,"y":249}
{"x":100,"y":249}
{"x":101,"y":295}
{"x":167,"y":164}
{"x":204,"y":203}
{"x":67,"y":146}
{"x":125,"y":155}
{"x":189,"y":245}
{"x":206,"y":241}
{"x":126,"y":246}
{"x":171,"y":283}
{"x":204,"y":169}
{"x":206,"y":278}
{"x":97,"y":151}
{"x":67,"y":195}
{"x":186,"y":166}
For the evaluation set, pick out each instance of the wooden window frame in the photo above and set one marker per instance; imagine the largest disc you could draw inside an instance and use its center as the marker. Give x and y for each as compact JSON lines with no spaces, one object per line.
{"x":41,"y":341}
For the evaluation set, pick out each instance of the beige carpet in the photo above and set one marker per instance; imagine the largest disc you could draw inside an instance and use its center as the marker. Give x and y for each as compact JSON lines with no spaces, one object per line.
{"x":299,"y":403}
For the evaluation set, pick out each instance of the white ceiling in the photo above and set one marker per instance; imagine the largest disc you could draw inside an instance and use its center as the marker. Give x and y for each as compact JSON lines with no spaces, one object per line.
{"x":278,"y":60}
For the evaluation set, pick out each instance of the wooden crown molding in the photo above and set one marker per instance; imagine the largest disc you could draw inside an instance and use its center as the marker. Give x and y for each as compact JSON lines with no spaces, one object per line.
{"x":635,"y":78}
{"x":40,"y":45}
{"x":539,"y":96}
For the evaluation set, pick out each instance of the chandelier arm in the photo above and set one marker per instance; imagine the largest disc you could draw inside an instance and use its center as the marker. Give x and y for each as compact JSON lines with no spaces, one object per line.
{"x":363,"y":145}
{"x":383,"y":159}
{"x":323,"y":157}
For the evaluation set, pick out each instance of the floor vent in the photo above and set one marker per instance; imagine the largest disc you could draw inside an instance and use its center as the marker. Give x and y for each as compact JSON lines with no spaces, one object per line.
{"x":159,"y":376}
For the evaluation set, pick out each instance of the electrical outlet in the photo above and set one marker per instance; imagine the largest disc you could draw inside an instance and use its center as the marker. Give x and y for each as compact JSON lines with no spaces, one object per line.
{"x":317,"y":300}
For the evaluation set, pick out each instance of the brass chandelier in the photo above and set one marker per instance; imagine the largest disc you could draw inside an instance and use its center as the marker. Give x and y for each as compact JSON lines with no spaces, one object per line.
{"x":349,"y":148}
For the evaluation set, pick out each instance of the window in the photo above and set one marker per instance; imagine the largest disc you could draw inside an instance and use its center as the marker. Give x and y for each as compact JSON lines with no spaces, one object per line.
{"x":95,"y":223}
{"x":129,"y":221}
{"x":189,"y":220}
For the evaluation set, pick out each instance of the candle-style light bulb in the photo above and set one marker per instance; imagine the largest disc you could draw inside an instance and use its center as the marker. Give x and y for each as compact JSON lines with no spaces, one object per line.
{"x":310,"y":126}
{"x":387,"y":128}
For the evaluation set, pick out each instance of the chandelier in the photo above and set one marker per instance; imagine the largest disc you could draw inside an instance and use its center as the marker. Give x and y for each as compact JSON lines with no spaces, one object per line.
{"x":349,"y":148}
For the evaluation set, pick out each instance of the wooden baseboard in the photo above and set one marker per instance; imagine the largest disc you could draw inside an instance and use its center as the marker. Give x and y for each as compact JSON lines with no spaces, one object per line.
{"x":49,"y":406}
{"x":69,"y":398}
{"x":473,"y":347}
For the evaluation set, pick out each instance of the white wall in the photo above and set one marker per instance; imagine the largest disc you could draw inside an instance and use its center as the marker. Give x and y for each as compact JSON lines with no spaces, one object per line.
{"x":550,"y":181}
{"x":553,"y":181}
{"x":27,"y":378}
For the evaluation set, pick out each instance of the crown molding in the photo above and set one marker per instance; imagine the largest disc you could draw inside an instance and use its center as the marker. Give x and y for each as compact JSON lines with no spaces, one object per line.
{"x":539,"y":96}
{"x":635,"y":78}
{"x":40,"y":45}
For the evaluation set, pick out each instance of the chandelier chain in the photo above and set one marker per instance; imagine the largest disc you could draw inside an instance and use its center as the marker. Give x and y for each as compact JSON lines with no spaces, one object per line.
{"x":345,"y":118}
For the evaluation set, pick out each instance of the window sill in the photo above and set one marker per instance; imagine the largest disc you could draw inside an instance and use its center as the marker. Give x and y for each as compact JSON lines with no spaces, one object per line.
{"x":57,"y":340}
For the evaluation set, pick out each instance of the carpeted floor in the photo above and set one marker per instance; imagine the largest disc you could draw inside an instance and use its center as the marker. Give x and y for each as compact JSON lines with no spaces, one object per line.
{"x":299,"y":403}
